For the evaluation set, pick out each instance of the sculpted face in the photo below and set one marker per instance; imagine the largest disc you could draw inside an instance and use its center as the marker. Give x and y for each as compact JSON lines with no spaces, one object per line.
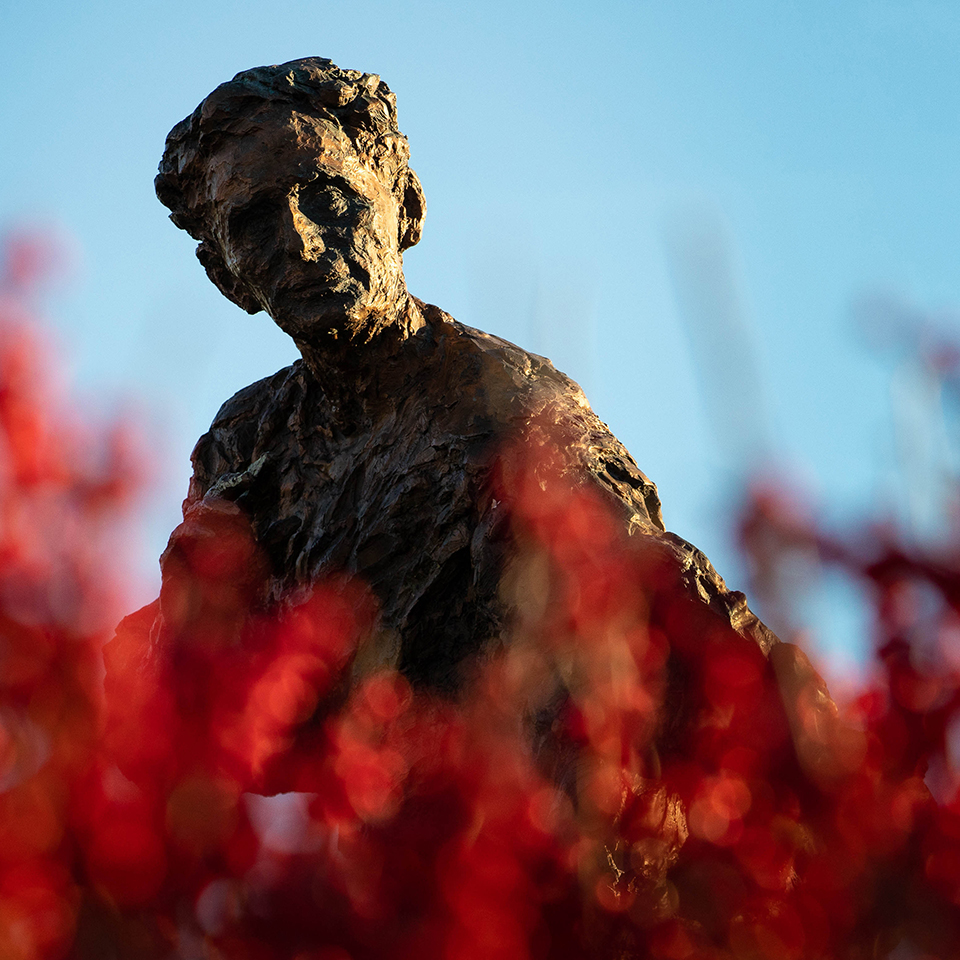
{"x":307,"y":227}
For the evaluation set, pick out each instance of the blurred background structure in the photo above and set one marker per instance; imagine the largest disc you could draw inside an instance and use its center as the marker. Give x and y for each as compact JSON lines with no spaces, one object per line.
{"x":708,"y":215}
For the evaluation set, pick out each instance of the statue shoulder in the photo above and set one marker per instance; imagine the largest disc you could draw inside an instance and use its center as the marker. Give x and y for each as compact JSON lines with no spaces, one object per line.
{"x":528,"y":399}
{"x":508,"y":372}
{"x":245,"y":422}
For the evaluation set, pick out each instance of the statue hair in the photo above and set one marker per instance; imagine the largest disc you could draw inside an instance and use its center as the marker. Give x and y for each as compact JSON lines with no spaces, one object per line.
{"x":360,"y":103}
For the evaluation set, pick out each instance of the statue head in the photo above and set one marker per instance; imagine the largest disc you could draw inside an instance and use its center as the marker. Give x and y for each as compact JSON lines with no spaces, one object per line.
{"x":294,"y":178}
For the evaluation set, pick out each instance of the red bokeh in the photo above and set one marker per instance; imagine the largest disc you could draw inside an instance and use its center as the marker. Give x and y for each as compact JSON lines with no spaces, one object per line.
{"x":629,"y":778}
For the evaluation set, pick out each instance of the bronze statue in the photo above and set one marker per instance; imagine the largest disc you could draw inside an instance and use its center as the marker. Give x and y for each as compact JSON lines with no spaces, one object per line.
{"x":374,"y":454}
{"x":401,"y":467}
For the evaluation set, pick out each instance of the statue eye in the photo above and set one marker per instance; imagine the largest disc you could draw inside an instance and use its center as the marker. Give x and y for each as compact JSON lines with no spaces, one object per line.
{"x":324,"y":202}
{"x":253,"y":225}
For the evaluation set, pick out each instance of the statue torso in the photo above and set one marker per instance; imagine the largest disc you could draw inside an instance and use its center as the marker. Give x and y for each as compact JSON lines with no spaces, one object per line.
{"x":407,"y":498}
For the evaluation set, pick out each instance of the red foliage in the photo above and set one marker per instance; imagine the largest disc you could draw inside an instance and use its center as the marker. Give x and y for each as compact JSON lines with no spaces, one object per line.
{"x":629,"y":778}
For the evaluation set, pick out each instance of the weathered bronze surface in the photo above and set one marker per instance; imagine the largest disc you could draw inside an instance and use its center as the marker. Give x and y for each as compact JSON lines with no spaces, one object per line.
{"x":375,"y":454}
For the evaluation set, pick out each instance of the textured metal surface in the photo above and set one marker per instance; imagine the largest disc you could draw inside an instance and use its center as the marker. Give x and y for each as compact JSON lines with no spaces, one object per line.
{"x":376,"y":454}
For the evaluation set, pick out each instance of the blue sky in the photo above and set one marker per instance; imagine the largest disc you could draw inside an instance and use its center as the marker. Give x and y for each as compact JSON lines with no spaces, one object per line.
{"x":569,"y":157}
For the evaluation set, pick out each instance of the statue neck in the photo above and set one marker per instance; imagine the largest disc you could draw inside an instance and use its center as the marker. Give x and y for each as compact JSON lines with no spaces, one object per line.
{"x":359,"y":369}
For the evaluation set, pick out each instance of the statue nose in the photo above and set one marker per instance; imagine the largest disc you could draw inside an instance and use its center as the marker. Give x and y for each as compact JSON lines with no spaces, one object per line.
{"x":304,"y":236}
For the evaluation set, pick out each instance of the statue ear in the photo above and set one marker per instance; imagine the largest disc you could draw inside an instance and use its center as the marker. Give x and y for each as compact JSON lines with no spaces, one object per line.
{"x":413,"y":209}
{"x":231,"y":287}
